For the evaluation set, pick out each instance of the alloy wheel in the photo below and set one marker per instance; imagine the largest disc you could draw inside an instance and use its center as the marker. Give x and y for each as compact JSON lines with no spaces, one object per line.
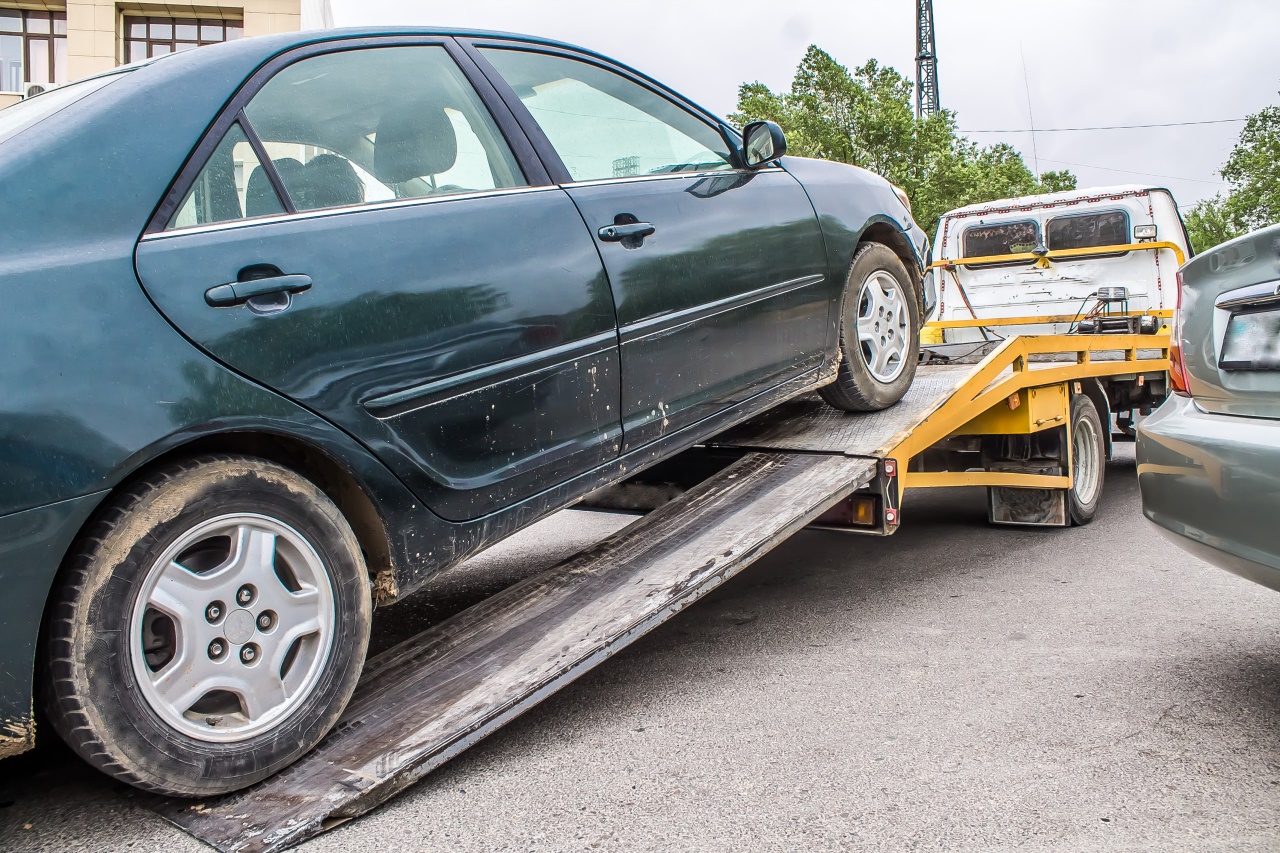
{"x":884,"y":326}
{"x":232,"y":627}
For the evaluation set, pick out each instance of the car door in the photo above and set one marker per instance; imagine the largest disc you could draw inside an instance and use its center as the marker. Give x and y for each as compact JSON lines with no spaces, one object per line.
{"x":717,"y":272}
{"x":357,"y":234}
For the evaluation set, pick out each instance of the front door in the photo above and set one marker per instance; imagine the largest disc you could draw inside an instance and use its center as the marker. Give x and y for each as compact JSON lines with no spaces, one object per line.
{"x":362,"y":240}
{"x":718,"y":272}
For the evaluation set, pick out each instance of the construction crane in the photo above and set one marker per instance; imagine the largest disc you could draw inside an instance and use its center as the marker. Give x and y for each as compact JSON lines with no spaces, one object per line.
{"x":926,"y":61}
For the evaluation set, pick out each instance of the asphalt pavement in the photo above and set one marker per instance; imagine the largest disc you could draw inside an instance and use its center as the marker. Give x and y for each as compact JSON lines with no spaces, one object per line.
{"x":954,"y":687}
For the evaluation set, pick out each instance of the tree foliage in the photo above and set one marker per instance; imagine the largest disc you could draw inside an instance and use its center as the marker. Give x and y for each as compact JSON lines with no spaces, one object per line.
{"x":1253,"y":173}
{"x":864,"y":117}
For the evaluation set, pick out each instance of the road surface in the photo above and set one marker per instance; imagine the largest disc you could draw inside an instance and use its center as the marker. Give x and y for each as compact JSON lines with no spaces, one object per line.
{"x":953,"y":687}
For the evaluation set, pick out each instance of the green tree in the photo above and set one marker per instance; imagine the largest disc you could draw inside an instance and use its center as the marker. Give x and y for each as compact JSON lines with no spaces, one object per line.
{"x":1253,"y":175}
{"x":1251,"y":170}
{"x":1211,"y":222}
{"x":864,"y":117}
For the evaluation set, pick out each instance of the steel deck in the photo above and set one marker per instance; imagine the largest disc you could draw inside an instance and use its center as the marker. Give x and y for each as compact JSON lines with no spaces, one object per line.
{"x":428,"y":699}
{"x":808,"y":425}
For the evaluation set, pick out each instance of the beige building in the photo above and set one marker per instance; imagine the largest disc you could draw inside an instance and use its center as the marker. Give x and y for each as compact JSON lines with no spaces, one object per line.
{"x":55,"y":42}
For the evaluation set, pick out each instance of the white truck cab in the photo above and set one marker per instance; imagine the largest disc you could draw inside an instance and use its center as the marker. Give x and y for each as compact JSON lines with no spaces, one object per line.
{"x":1051,"y":257}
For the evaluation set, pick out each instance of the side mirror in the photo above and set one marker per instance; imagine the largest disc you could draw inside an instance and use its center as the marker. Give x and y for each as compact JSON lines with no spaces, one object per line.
{"x":762,"y":143}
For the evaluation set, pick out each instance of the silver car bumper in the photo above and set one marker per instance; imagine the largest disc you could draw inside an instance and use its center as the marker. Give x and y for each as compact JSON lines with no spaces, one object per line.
{"x":1212,"y":482}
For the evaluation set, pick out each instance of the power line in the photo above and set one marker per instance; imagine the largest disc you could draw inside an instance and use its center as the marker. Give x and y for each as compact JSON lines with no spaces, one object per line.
{"x":1131,"y":172}
{"x":1105,"y":127}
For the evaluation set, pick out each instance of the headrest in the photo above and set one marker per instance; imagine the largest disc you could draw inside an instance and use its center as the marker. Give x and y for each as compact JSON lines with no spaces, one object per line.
{"x":330,"y":181}
{"x":290,"y":172}
{"x":413,"y":140}
{"x":259,"y":196}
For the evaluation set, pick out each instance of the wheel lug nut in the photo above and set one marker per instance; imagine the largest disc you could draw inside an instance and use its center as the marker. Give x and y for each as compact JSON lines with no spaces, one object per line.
{"x":265,"y":620}
{"x":214,"y":611}
{"x":245,"y":595}
{"x":217,"y":649}
{"x":249,"y":654}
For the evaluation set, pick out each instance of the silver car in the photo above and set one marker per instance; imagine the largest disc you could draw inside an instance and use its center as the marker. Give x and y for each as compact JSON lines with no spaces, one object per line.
{"x":1209,"y":458}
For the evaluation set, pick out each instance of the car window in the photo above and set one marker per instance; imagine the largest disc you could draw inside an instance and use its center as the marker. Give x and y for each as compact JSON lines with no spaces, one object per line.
{"x":1005,"y":238}
{"x":232,"y":185}
{"x":356,"y":127}
{"x":1087,"y":230}
{"x":604,"y":125}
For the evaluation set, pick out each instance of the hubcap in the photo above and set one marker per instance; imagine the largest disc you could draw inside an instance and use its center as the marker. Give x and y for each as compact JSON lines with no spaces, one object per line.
{"x":884,"y":326}
{"x":219,"y":673}
{"x":1084,"y":473}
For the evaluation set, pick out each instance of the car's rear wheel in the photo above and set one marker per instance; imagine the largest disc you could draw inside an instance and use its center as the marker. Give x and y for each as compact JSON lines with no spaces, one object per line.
{"x":879,"y":333}
{"x":210,"y":629}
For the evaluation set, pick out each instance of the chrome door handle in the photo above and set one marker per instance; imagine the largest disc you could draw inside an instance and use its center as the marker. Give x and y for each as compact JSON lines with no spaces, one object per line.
{"x":617,"y":233}
{"x":239,"y":292}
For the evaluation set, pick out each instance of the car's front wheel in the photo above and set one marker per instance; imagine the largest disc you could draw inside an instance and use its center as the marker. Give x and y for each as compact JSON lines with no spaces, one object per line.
{"x":210,"y":629}
{"x":879,"y":333}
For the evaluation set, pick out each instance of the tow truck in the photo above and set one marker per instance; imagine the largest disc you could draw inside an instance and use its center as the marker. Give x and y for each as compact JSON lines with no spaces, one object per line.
{"x":1006,"y":418}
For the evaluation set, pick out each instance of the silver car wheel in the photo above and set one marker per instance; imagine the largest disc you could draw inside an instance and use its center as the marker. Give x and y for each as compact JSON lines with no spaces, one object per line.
{"x":884,"y":326}
{"x":232,"y":627}
{"x":1085,"y":453}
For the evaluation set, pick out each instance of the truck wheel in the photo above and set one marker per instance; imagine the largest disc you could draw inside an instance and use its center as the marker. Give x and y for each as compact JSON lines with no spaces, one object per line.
{"x":210,"y":628}
{"x":879,"y":333}
{"x":1088,"y":460}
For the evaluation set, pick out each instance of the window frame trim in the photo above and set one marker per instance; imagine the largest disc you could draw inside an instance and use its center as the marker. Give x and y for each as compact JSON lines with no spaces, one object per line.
{"x":547,"y":152}
{"x":522,"y":151}
{"x":1128,"y":227}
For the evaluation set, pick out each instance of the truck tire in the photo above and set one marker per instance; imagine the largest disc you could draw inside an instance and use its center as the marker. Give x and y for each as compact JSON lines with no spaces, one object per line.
{"x":1088,"y":460}
{"x":209,"y":629}
{"x":879,"y":333}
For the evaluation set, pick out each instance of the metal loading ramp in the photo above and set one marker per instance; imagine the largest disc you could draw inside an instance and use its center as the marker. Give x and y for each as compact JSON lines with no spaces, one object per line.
{"x":428,"y":699}
{"x":808,"y":425}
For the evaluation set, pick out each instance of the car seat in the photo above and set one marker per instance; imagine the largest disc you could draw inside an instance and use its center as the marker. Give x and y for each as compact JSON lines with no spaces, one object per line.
{"x":414,"y":140}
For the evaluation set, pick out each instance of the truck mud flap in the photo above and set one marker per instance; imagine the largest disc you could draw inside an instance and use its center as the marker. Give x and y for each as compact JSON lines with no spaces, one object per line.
{"x":428,"y":699}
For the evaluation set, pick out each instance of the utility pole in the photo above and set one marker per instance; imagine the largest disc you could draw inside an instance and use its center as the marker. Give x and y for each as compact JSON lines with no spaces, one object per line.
{"x":926,"y":61}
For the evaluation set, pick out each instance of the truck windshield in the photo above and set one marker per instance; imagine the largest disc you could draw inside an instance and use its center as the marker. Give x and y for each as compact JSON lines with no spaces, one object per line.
{"x":24,"y":114}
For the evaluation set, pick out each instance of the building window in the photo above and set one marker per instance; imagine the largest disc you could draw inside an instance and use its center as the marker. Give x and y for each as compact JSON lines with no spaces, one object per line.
{"x":33,"y":48}
{"x":147,"y":37}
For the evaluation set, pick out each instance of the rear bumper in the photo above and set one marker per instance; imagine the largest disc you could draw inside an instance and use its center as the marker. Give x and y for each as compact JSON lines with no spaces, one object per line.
{"x":1212,"y":482}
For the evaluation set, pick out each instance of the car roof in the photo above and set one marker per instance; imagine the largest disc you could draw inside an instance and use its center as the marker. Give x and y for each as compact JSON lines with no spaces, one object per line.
{"x":258,"y":49}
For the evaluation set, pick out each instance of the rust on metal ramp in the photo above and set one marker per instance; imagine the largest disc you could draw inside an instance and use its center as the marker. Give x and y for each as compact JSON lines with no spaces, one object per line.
{"x":428,"y":699}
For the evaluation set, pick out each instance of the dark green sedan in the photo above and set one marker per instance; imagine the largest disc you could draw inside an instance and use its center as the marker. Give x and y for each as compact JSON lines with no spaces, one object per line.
{"x":1209,"y":458}
{"x":292,"y":323}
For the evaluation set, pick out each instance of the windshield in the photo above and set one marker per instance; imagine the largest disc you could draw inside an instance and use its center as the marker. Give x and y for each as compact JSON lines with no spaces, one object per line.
{"x":24,"y":114}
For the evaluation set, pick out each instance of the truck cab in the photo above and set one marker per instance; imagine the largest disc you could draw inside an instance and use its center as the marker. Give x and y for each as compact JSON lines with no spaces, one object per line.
{"x":1053,"y":257}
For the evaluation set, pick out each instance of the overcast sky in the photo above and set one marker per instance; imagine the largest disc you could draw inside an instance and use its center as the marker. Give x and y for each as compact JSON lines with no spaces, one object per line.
{"x":1088,"y":63}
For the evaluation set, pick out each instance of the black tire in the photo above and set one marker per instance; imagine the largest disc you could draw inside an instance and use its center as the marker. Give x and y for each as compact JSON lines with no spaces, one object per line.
{"x":856,"y":388}
{"x":1088,"y":460}
{"x":92,"y":690}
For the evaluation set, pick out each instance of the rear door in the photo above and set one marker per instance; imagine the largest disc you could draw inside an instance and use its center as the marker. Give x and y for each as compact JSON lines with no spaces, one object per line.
{"x":1230,"y":326}
{"x":415,"y":282}
{"x":718,"y":273}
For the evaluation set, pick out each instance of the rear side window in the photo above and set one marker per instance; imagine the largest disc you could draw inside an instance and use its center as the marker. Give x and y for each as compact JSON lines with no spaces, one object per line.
{"x":232,"y":185}
{"x":1088,"y":230}
{"x":1005,"y":238}
{"x":349,"y":128}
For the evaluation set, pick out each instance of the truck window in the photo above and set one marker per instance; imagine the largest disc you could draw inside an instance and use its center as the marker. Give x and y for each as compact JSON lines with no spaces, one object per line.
{"x":1005,"y":238}
{"x":1087,"y":230}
